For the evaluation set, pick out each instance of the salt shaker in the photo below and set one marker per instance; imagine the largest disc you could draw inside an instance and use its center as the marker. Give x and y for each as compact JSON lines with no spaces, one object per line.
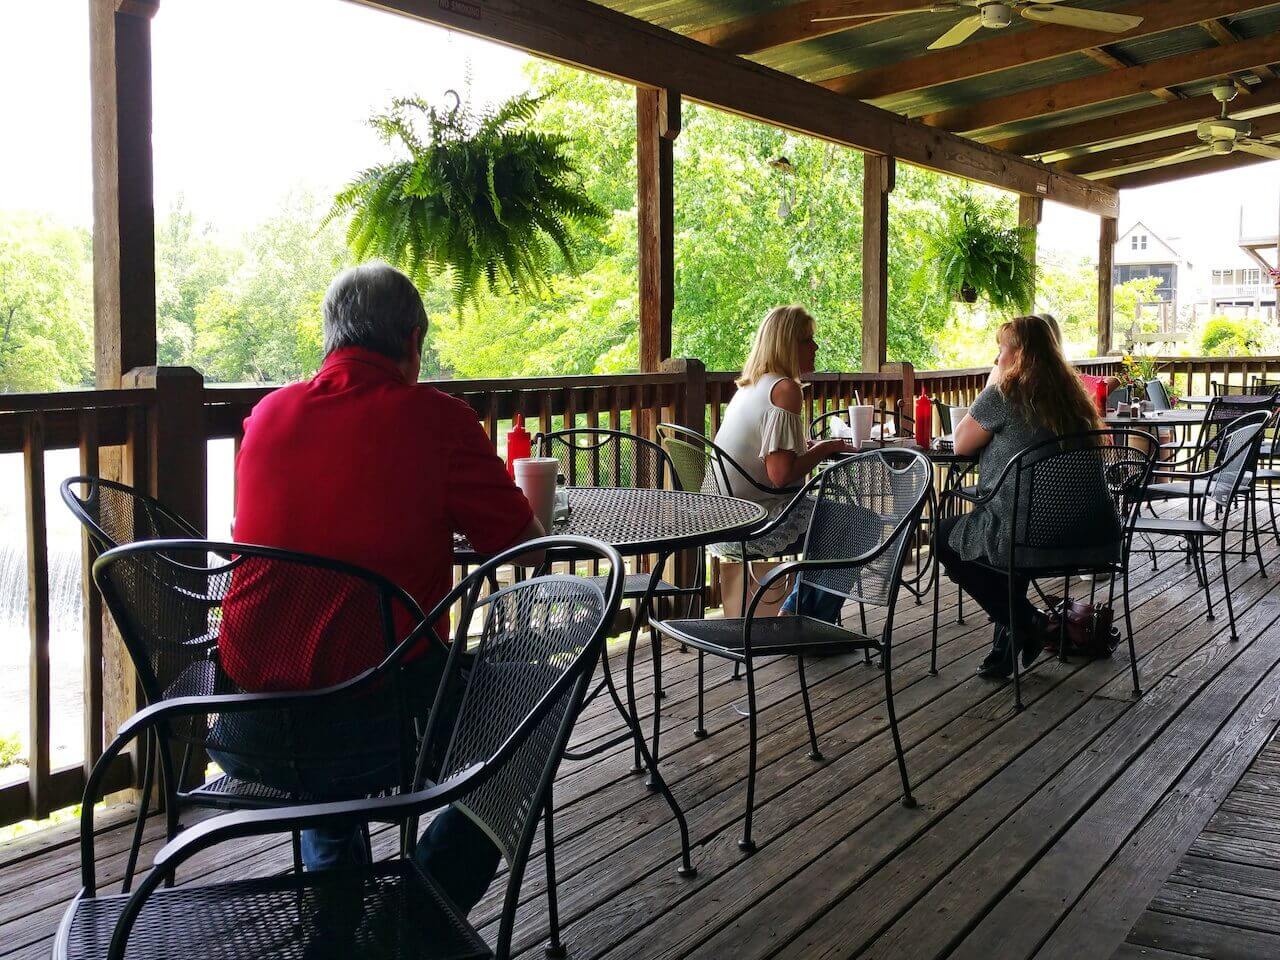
{"x":560,"y":508}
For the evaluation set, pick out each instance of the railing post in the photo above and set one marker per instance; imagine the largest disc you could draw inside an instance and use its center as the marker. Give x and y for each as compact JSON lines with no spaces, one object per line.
{"x":690,"y":412}
{"x":170,"y":464}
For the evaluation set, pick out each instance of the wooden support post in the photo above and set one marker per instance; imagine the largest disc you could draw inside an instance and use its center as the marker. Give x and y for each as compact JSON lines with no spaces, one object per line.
{"x":124,"y":282}
{"x":878,"y":175}
{"x":124,"y":287}
{"x":1106,"y":259}
{"x":1030,"y":211}
{"x":657,"y":126}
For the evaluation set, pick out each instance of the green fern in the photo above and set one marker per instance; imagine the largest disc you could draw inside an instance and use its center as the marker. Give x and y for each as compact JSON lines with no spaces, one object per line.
{"x":971,"y":247}
{"x":480,"y":196}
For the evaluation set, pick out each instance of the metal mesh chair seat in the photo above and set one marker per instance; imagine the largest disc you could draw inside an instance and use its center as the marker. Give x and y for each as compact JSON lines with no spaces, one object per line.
{"x":402,"y":915}
{"x":1173,"y":526}
{"x":1176,"y":489}
{"x":774,"y":636}
{"x":233,"y":793}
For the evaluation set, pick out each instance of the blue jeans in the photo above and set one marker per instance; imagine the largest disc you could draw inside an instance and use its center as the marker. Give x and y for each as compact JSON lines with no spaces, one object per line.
{"x":819,"y":604}
{"x":361,"y":760}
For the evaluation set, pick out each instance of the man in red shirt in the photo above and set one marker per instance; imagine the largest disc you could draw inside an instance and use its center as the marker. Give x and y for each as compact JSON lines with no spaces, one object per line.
{"x":362,"y":463}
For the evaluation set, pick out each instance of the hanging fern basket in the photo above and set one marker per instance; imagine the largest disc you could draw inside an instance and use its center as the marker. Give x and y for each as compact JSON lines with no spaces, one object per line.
{"x":482,"y":197}
{"x":972,"y":255}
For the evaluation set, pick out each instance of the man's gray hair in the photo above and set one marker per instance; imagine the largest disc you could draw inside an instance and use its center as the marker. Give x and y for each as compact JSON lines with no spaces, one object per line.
{"x":373,"y":306}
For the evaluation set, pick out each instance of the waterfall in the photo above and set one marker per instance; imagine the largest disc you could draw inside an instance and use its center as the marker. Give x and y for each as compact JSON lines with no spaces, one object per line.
{"x":65,"y":600}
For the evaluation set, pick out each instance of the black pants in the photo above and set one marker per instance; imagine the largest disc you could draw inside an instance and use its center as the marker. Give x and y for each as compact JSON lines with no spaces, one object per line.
{"x":990,"y":588}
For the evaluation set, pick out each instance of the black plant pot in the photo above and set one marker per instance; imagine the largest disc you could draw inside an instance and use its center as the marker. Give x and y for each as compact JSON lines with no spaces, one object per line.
{"x":968,"y":294}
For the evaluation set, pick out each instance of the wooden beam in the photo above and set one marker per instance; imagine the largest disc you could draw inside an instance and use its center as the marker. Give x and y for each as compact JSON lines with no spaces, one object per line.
{"x":1183,"y":171}
{"x":1220,"y":32}
{"x":878,"y":177}
{"x":657,"y":126}
{"x":1016,"y":49}
{"x":791,"y":24}
{"x":596,"y":38}
{"x":1153,"y":120}
{"x":1056,"y":97}
{"x":1107,"y":235}
{"x":1100,"y":163}
{"x":124,"y":282}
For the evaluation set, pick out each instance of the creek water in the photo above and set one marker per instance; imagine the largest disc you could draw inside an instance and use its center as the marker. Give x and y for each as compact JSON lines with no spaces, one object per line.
{"x":66,"y":637}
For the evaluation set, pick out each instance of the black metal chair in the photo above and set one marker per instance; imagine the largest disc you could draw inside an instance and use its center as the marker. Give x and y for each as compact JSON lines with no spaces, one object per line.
{"x":1158,"y":394}
{"x":821,"y":426}
{"x":115,"y":514}
{"x":1220,"y":486}
{"x":598,"y":457}
{"x":169,"y":601}
{"x":1220,"y":417}
{"x":865,"y":515}
{"x":1251,"y":389}
{"x":1074,"y":502}
{"x":494,"y":757}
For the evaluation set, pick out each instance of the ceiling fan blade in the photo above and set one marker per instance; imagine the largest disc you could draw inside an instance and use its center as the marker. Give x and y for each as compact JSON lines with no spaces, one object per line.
{"x":1084,"y":19}
{"x":866,"y":9}
{"x":958,"y":34}
{"x":1191,"y":153}
{"x":1259,"y":148}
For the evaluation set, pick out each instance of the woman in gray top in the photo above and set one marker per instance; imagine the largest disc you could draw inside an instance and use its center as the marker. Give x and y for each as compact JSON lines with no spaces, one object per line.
{"x":1033,"y":395}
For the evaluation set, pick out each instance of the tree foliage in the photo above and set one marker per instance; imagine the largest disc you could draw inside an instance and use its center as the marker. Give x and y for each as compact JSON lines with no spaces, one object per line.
{"x":46,"y":305}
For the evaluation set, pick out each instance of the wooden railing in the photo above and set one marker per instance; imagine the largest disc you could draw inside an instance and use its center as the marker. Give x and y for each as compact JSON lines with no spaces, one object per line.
{"x":134,"y":431}
{"x":107,"y":427}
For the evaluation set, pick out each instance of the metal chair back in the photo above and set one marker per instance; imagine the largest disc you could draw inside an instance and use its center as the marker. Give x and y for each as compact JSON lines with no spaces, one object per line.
{"x":200,"y":618}
{"x":529,"y":667}
{"x":866,"y":504}
{"x":1237,"y":457}
{"x":1222,"y":412}
{"x":1074,"y":498}
{"x":1158,"y":395}
{"x":114,"y":513}
{"x":820,"y":427}
{"x":598,"y":457}
{"x":720,"y":472}
{"x":1264,"y":385}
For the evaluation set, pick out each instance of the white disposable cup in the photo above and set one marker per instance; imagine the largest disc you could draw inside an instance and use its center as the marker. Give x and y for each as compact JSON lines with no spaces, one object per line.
{"x":860,"y":420}
{"x":958,"y":414}
{"x":536,"y":478}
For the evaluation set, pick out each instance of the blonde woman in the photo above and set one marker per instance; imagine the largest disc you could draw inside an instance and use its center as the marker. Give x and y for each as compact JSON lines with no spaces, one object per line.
{"x":764,"y":432}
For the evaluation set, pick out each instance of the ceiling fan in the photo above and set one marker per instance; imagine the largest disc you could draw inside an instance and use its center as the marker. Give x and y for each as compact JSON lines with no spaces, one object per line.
{"x":1220,"y":136}
{"x":995,"y":15}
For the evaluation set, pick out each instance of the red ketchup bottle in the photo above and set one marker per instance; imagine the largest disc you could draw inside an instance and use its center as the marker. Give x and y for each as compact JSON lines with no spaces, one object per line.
{"x":519,"y":444}
{"x":923,"y":420}
{"x":1100,"y":397}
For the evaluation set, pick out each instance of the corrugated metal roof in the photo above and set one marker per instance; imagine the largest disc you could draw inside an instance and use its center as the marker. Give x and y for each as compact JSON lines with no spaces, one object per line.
{"x":903,"y":38}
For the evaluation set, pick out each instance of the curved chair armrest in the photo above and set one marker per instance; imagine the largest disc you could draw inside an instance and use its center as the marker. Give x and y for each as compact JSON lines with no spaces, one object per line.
{"x":304,"y":816}
{"x":798,"y":494}
{"x":249,"y":823}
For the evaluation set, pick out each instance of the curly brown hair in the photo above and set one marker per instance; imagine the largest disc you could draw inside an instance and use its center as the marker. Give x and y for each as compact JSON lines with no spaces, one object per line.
{"x":1039,"y":383}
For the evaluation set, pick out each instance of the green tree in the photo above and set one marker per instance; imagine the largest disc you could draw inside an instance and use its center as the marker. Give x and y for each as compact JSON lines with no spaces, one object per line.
{"x":263,"y":325}
{"x":190,"y":265}
{"x":46,"y":305}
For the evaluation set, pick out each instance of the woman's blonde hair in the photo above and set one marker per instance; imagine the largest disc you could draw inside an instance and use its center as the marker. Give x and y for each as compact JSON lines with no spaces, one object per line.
{"x":1040,"y":384}
{"x":776,"y":348}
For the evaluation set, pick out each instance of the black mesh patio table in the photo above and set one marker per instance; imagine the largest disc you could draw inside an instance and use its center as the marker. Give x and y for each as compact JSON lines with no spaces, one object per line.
{"x":639,"y":521}
{"x":636,"y":522}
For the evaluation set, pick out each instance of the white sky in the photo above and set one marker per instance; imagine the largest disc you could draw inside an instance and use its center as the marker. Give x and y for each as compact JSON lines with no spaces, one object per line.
{"x":253,"y":96}
{"x":250,"y":96}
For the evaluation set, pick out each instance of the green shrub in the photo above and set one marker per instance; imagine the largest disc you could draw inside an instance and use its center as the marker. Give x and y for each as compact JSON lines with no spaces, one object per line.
{"x":1224,"y":337}
{"x":10,"y":750}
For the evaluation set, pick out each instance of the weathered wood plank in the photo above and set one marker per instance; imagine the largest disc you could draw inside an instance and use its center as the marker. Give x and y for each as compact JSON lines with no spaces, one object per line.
{"x":1198,"y":938}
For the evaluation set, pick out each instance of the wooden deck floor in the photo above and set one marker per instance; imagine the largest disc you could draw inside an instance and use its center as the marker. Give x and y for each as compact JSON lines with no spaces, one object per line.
{"x":1044,"y":833}
{"x":1223,"y":900}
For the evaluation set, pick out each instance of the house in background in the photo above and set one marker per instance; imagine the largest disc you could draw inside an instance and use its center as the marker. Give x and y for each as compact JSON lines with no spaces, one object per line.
{"x":1239,"y":283}
{"x":1141,"y":253}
